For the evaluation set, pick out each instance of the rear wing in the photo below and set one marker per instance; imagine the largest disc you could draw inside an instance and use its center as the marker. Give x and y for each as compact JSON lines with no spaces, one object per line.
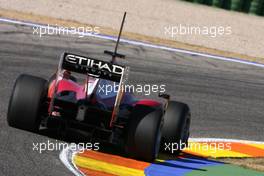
{"x":92,"y":67}
{"x":95,"y":68}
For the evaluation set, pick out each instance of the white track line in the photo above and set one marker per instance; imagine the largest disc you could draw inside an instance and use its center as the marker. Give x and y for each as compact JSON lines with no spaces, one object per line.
{"x":138,"y":43}
{"x":66,"y":156}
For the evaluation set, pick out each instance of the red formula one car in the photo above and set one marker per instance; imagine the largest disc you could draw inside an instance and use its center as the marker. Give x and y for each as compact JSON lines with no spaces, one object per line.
{"x":140,"y":126}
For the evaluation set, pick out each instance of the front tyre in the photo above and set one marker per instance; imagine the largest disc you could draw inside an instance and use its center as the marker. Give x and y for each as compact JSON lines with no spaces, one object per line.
{"x":27,"y":98}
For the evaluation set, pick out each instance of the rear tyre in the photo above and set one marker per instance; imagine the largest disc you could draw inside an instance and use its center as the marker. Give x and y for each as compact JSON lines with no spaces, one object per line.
{"x":176,"y":127}
{"x":144,"y":133}
{"x":28,"y":95}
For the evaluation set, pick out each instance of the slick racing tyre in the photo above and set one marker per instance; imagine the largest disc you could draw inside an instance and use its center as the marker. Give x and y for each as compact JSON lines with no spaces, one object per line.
{"x":176,"y":126}
{"x":28,"y":95}
{"x":144,"y":133}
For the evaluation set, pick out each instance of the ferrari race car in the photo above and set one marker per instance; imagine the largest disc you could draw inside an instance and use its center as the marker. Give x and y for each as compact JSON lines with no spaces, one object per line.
{"x":139,"y":126}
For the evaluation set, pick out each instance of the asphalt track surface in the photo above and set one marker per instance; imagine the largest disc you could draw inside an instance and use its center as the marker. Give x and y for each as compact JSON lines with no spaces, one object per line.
{"x":226,"y":98}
